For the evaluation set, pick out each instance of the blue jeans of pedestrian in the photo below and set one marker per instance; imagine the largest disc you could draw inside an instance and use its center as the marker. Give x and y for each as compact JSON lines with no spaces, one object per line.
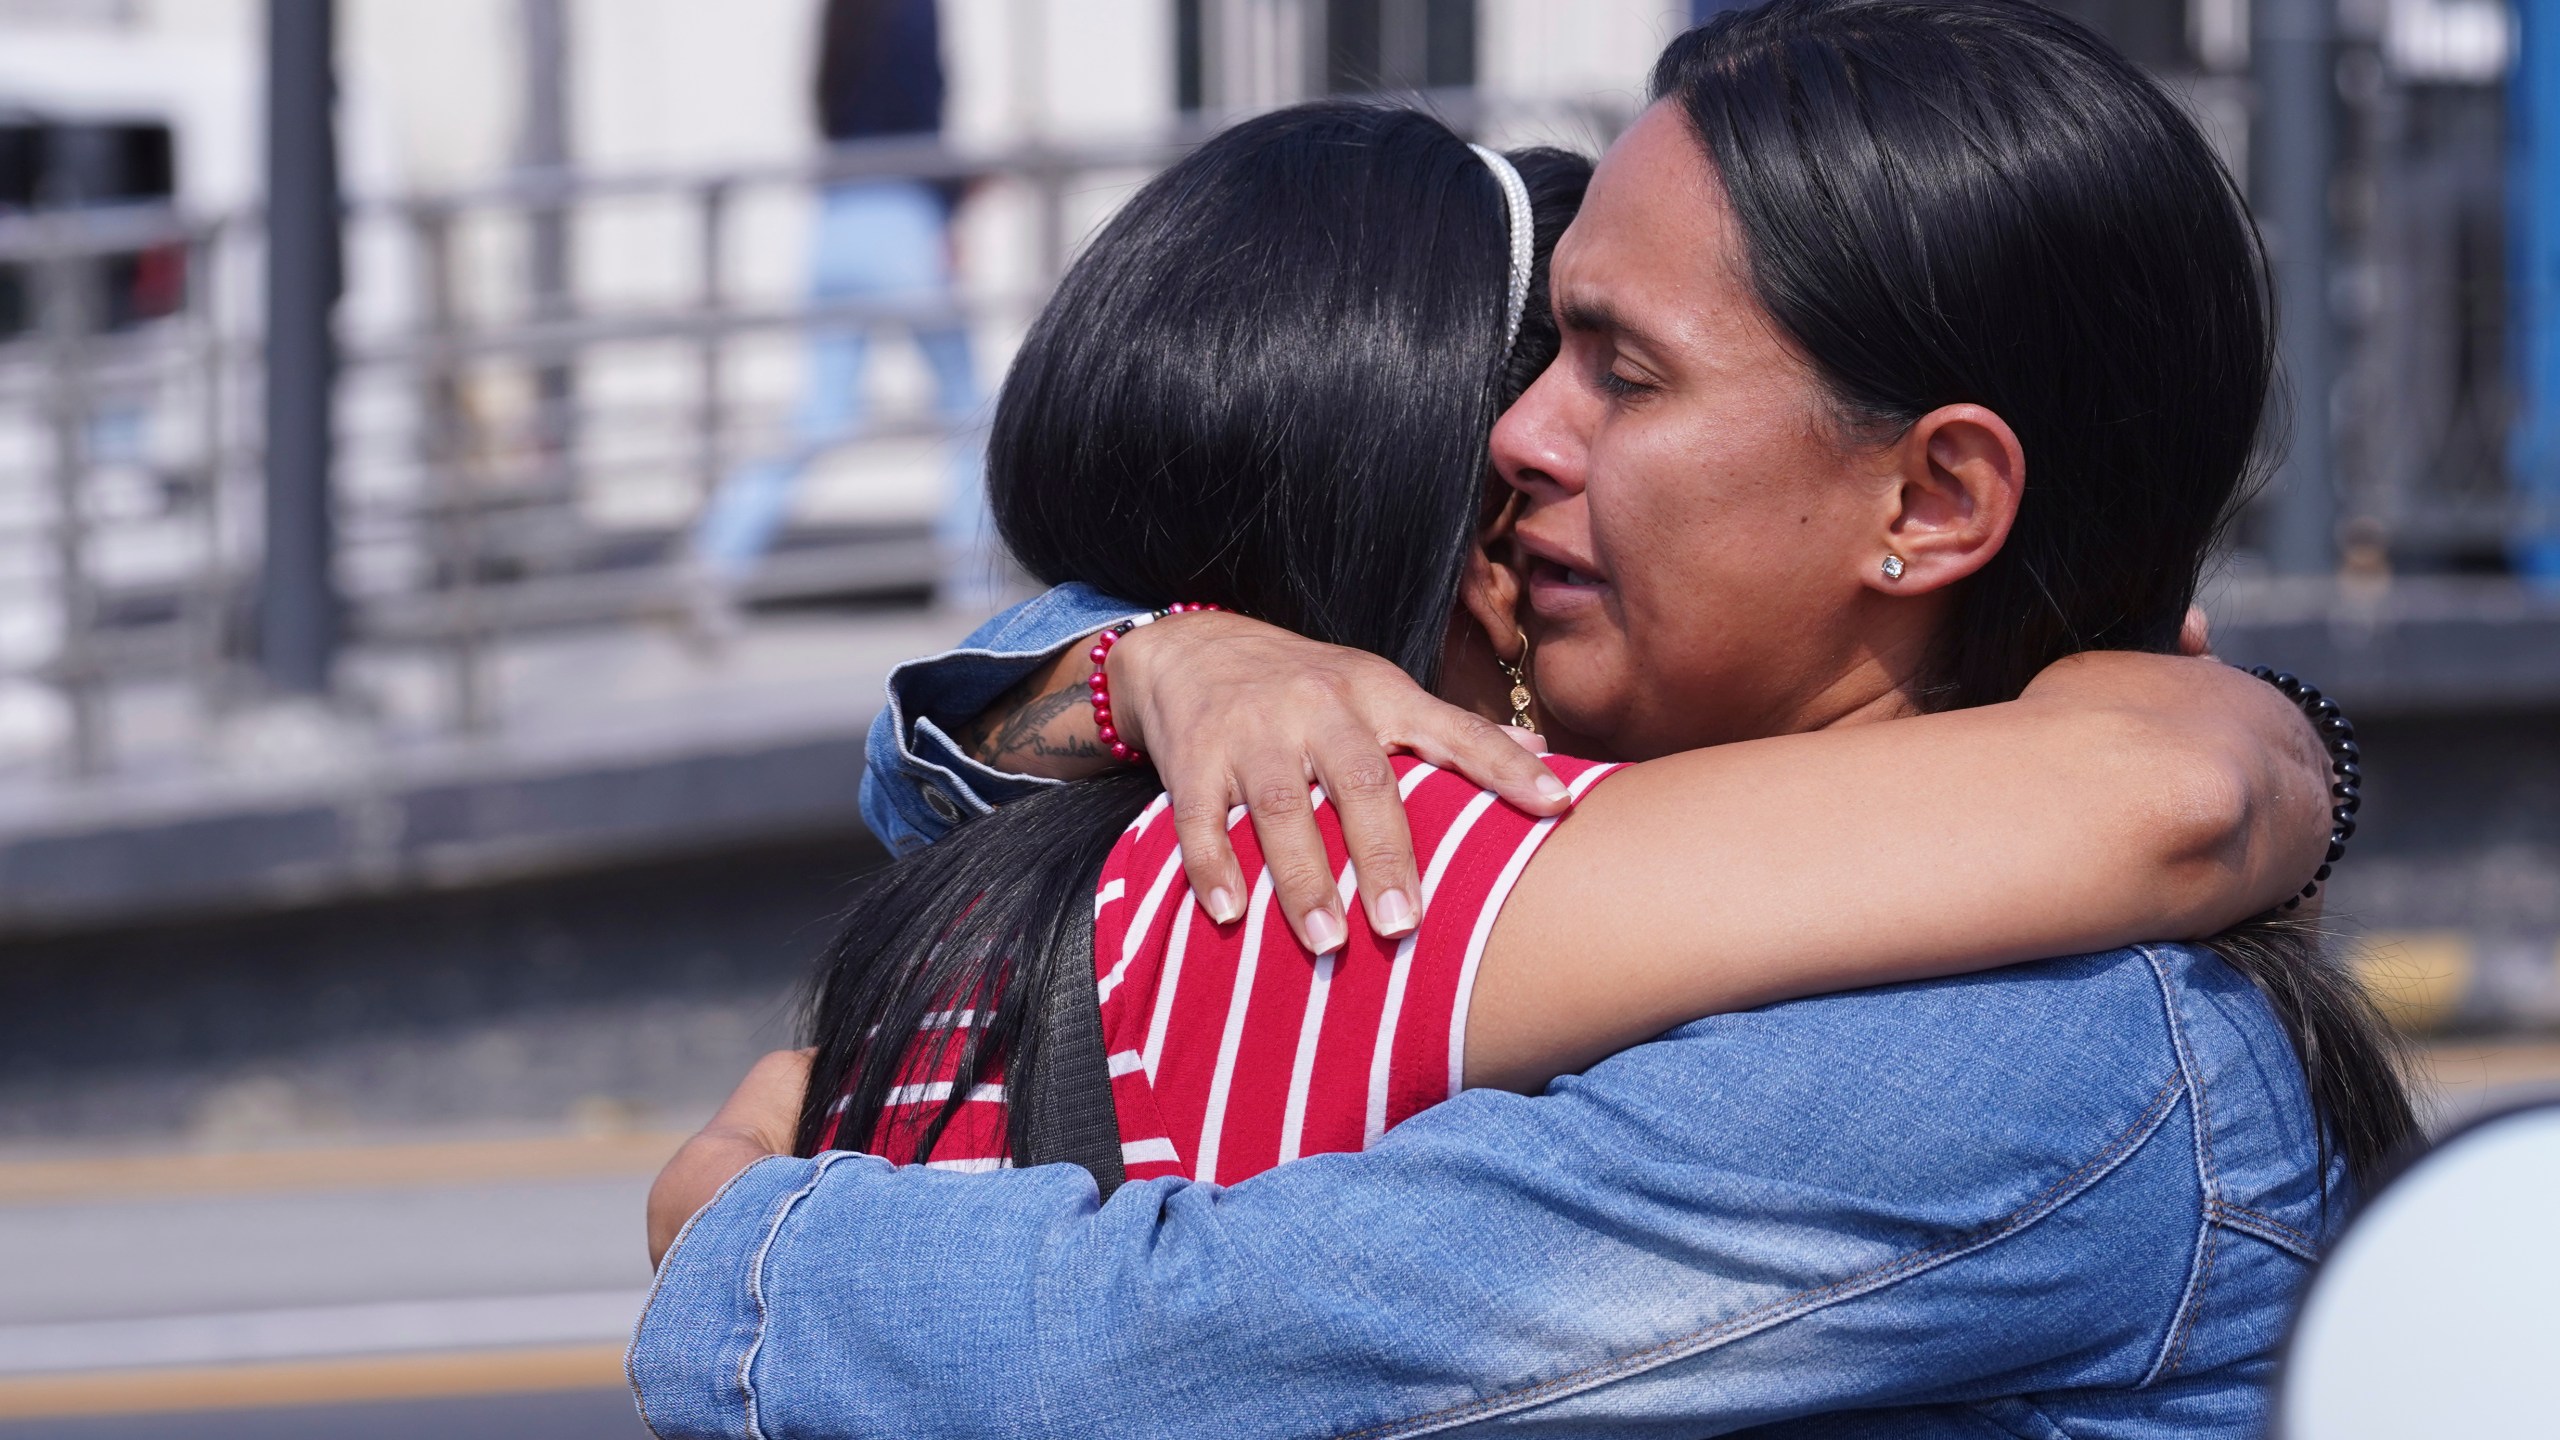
{"x":876,"y":240}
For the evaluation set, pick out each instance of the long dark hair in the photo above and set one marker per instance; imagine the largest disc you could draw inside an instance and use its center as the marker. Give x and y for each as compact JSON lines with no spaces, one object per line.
{"x":1949,"y":201}
{"x":1267,"y":384}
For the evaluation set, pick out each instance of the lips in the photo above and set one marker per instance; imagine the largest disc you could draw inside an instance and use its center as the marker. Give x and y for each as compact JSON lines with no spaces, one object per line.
{"x":1552,"y":567}
{"x":1559,"y":592}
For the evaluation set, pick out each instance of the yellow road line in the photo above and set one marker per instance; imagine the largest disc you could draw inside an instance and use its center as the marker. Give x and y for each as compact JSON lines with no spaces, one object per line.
{"x":349,"y":1168}
{"x":312,"y":1382}
{"x":2452,"y":1066}
{"x":2417,"y":977}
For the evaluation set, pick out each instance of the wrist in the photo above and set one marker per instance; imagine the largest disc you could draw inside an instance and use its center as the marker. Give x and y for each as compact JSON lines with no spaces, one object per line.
{"x":1113,"y":694}
{"x":1127,"y":684}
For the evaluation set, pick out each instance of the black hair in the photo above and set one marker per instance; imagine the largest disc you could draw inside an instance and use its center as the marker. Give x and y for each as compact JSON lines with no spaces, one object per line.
{"x":1951,"y":201}
{"x":1268,"y":384}
{"x":1263,"y":352}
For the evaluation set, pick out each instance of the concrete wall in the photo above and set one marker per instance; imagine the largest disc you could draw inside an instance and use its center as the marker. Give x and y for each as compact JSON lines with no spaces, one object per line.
{"x":628,"y":997}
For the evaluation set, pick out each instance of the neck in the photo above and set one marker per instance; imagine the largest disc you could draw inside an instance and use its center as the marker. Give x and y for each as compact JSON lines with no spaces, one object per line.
{"x":1863,"y":705}
{"x":1879,"y":681}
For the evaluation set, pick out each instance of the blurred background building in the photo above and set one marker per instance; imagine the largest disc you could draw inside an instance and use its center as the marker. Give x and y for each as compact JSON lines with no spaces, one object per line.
{"x":458,"y":498}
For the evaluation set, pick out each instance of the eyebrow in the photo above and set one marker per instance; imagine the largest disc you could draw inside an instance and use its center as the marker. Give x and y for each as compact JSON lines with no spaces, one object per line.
{"x":1597,"y":316}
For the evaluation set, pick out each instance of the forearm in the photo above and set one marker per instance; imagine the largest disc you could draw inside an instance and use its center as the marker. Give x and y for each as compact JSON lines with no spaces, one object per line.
{"x":2231,"y":775}
{"x":2117,"y":804}
{"x":1043,"y":726}
{"x":918,"y":779}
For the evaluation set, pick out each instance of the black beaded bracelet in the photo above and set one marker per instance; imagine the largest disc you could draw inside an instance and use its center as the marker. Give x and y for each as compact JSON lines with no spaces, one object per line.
{"x":2346,"y":783}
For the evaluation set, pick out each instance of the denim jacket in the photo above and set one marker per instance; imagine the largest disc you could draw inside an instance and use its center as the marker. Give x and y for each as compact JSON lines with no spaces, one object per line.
{"x":916,"y":781}
{"x":2072,"y":1198}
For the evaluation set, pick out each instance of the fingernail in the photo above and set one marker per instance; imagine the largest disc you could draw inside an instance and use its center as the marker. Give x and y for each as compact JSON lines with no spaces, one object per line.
{"x":1325,"y":931}
{"x":1551,"y":788}
{"x":1394,"y":913}
{"x":1222,"y":905}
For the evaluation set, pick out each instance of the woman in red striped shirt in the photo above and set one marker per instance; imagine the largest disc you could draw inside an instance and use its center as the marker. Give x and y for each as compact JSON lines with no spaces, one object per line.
{"x":1268,"y":385}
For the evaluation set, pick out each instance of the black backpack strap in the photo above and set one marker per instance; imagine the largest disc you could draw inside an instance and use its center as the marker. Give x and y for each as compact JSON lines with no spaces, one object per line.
{"x":1072,"y":1116}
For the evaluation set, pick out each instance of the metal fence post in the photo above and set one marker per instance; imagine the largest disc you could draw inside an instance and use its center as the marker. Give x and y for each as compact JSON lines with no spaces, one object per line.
{"x":297,"y":601}
{"x":2294,"y":54}
{"x":545,"y":151}
{"x":711,"y":295}
{"x":1050,"y":178}
{"x":211,"y":602}
{"x":67,"y":304}
{"x":443,"y":455}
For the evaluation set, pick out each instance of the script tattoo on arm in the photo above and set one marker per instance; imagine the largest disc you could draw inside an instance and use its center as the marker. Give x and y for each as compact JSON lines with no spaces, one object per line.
{"x":1032,"y":730}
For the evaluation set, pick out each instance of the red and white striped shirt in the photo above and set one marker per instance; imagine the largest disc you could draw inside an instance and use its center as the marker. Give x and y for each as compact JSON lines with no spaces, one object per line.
{"x":1231,"y":1048}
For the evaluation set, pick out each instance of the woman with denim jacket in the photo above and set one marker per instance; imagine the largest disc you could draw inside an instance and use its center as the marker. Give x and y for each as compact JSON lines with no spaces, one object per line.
{"x":1574,"y":964}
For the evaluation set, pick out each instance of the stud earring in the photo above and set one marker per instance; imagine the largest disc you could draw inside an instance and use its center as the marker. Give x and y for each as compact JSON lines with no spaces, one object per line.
{"x":1517,"y":672}
{"x":1893,"y":567}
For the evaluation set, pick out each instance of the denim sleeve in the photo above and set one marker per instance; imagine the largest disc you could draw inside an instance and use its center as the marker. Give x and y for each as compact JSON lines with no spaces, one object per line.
{"x":1954,"y":1193}
{"x":916,"y":782}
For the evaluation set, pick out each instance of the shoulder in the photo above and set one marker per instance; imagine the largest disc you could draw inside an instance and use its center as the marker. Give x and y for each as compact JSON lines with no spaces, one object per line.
{"x":1439,"y":801}
{"x":1453,"y":821}
{"x":1140,"y":869}
{"x":1998,"y":1095}
{"x":2013,"y":1082}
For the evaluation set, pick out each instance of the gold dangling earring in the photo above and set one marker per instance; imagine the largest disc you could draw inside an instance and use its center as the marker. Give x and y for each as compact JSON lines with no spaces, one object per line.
{"x":1517,"y":672}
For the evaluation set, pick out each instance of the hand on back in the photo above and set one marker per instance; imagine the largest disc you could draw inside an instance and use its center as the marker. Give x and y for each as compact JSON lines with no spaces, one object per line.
{"x":1236,"y":712}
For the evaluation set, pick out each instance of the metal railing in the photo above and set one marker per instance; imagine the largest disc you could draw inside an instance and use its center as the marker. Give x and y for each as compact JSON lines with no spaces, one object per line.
{"x":84,"y":516}
{"x":130,"y":463}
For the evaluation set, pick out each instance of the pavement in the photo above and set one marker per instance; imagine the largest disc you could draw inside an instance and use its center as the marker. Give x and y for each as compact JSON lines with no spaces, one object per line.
{"x":482,"y":1287}
{"x":439,"y":1287}
{"x":587,"y":1412}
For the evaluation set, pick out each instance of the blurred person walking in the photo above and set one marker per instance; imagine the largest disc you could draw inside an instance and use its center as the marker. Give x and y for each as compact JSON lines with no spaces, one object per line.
{"x":877,"y":239}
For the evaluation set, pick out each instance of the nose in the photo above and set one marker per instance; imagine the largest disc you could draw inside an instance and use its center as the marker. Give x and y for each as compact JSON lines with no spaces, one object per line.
{"x":1536,"y":447}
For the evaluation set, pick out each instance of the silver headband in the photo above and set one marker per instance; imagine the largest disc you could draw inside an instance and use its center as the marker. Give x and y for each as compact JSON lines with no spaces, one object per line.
{"x":1524,"y":236}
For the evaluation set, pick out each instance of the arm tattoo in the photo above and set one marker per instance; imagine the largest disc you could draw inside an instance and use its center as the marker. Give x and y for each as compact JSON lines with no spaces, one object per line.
{"x":1023,"y":727}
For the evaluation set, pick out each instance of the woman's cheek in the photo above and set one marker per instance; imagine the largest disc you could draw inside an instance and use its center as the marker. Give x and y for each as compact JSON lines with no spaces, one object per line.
{"x":1583,"y":678}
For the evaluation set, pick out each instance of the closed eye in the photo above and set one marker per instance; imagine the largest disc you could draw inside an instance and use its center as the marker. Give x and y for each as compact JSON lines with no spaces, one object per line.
{"x":1622,"y":387}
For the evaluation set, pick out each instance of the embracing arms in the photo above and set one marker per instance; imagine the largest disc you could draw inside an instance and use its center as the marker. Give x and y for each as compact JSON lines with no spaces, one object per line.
{"x":2123,"y":797}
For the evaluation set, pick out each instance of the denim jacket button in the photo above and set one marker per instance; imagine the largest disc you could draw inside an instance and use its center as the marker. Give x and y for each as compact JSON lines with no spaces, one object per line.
{"x":941,"y":804}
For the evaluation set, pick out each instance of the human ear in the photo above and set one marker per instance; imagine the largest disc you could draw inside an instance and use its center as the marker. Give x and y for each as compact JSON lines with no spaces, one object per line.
{"x":1484,"y":636}
{"x":1489,"y":592}
{"x":1959,"y":474}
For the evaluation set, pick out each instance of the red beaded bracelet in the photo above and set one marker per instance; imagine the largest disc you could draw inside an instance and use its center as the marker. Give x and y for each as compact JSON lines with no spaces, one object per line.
{"x":1098,"y":685}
